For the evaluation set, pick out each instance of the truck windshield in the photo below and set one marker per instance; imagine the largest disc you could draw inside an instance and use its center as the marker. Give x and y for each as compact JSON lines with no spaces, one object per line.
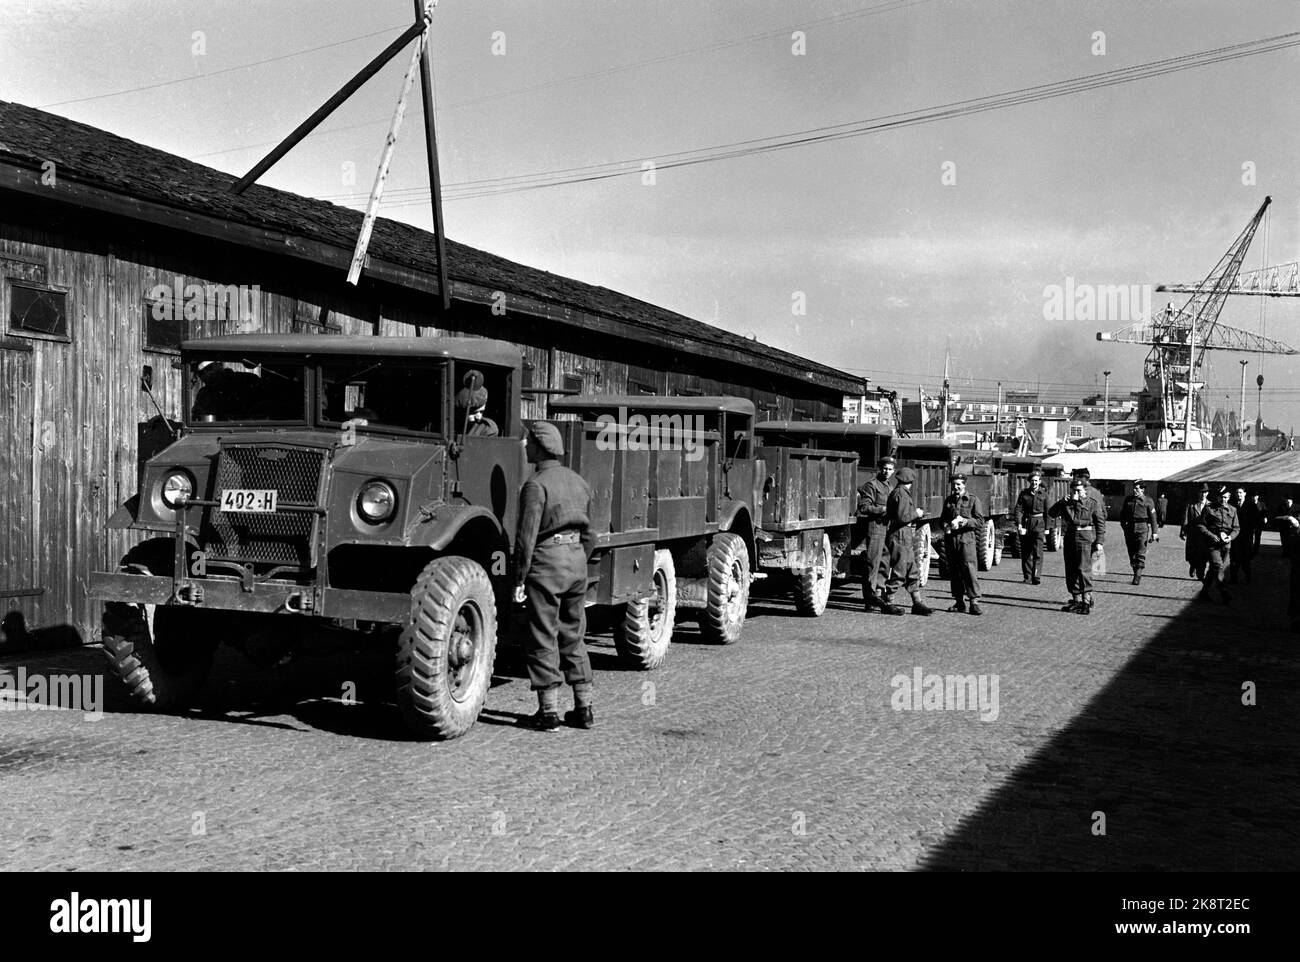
{"x":243,"y":389}
{"x":382,"y":392}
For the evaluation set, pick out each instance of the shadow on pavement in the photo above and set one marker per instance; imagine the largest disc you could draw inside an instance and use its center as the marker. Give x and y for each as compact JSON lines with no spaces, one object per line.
{"x":1188,"y":778}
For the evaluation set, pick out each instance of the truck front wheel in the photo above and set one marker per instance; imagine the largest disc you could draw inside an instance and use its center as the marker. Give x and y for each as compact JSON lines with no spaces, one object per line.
{"x":812,"y":588}
{"x":446,"y":651}
{"x":646,"y":629}
{"x":728,"y":589}
{"x":163,"y":654}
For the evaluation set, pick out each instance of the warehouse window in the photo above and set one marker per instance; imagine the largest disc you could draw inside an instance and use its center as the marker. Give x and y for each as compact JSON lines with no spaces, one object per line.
{"x":36,"y":311}
{"x":640,"y":387}
{"x":164,"y":328}
{"x":572,"y":382}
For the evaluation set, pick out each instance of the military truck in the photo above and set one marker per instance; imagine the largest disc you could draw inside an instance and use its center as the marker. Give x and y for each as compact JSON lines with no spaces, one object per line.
{"x":813,"y":470}
{"x":324,"y":485}
{"x":676,"y":491}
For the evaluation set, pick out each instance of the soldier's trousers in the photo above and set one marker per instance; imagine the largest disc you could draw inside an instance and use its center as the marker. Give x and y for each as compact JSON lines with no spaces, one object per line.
{"x":1135,"y":539}
{"x":963,"y":567}
{"x":1032,"y":543}
{"x":557,"y":618}
{"x":1078,"y":563}
{"x":903,"y":572}
{"x":1216,"y":557}
{"x":877,"y":564}
{"x":1239,"y":557}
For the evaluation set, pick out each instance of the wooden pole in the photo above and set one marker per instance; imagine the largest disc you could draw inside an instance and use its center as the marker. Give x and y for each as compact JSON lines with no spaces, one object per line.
{"x":381,"y":175}
{"x":327,"y":108}
{"x":424,"y":10}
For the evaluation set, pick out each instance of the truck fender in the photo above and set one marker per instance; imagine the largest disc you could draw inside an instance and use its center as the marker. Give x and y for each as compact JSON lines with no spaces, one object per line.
{"x":485,"y":533}
{"x":735,"y":517}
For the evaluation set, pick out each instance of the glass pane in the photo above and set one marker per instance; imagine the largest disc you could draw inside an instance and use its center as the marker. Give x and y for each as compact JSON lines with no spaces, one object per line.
{"x":383,"y":393}
{"x":38,"y":311}
{"x":246,"y":390}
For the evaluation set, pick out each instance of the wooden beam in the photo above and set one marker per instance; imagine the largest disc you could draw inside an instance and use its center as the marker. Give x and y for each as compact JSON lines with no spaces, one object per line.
{"x":328,"y":107}
{"x":424,"y":8}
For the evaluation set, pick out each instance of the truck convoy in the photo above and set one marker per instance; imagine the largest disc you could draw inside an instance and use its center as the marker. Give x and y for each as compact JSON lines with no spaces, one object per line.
{"x":327,"y":485}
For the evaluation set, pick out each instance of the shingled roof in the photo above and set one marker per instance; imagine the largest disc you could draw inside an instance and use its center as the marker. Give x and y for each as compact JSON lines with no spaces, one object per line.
{"x":105,"y":162}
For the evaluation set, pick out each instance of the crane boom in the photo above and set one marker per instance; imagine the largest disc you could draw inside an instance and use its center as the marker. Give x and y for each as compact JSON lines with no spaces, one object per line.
{"x":1280,"y":280}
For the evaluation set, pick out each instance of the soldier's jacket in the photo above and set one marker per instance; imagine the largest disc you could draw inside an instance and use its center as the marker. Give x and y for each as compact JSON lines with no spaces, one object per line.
{"x":873,"y":499}
{"x":1137,"y":511}
{"x":1088,"y":511}
{"x":1218,"y":519}
{"x":553,"y":500}
{"x":900,"y":513}
{"x":965,"y":506}
{"x":1029,"y":504}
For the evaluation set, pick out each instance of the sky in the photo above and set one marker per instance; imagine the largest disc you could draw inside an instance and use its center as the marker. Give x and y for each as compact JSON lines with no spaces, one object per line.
{"x":876,"y":254}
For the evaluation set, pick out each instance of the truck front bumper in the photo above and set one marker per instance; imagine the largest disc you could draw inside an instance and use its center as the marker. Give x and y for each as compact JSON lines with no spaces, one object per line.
{"x":231,"y":594}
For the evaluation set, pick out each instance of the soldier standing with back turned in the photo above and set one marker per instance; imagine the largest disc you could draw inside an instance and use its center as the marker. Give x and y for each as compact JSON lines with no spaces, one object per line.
{"x":554,"y":541}
{"x":902,"y":514}
{"x":1031,"y":525}
{"x":873,"y":499}
{"x":1138,"y":519}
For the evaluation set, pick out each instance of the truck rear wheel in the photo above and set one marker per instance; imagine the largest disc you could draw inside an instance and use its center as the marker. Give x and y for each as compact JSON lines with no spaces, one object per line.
{"x":163,"y":654}
{"x":446,"y":651}
{"x":812,"y":583}
{"x":984,"y":544}
{"x":1054,"y":537}
{"x":728,"y":589}
{"x":646,"y":629}
{"x":924,"y":550}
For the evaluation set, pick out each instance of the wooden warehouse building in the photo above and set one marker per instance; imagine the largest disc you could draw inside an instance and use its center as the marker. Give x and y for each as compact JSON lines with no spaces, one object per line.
{"x":94,"y":226}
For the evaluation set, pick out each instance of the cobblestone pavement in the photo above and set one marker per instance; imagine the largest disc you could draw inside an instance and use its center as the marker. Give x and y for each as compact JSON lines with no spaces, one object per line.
{"x":780,"y":752}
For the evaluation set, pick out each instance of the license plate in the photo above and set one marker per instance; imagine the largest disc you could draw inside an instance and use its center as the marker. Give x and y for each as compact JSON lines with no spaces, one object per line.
{"x":248,"y":501}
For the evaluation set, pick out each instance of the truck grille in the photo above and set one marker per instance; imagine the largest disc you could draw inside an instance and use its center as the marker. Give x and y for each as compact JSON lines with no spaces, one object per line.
{"x":283,"y":537}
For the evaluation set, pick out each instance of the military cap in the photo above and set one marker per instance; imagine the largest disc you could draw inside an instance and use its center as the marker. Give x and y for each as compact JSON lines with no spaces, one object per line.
{"x":957,"y":476}
{"x":887,"y":459}
{"x":1223,"y":489}
{"x":1082,"y":473}
{"x":1139,"y":483}
{"x":906,"y":475}
{"x":474,"y":399}
{"x":548,"y":436}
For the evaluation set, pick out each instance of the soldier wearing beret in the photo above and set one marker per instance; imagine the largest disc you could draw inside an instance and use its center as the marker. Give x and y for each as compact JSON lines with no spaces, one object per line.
{"x":471,"y":402}
{"x":1216,"y":528}
{"x":873,"y":500}
{"x":962,"y":518}
{"x":1194,"y":548}
{"x":1031,"y":526}
{"x":901,"y":515}
{"x":1085,"y":535}
{"x":554,"y":541}
{"x":1138,"y":518}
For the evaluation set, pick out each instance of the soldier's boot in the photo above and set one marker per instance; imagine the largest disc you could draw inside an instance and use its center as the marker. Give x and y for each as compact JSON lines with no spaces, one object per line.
{"x":1137,"y":576}
{"x":580,"y":718}
{"x":959,"y":605}
{"x":1071,"y":605}
{"x":547,"y":717}
{"x":975,"y":608}
{"x":919,"y":607}
{"x":890,"y":609}
{"x":1085,"y":607}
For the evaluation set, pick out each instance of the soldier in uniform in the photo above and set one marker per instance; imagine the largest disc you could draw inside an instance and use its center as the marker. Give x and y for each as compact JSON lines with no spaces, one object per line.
{"x":555,"y":540}
{"x":471,"y":403}
{"x":1085,"y":534}
{"x":1216,"y":528}
{"x":1243,"y":546}
{"x":1194,"y":549}
{"x":1139,"y":519}
{"x":873,"y":499}
{"x":962,"y":518}
{"x":1031,"y":525}
{"x":901,"y":514}
{"x":1092,"y":490}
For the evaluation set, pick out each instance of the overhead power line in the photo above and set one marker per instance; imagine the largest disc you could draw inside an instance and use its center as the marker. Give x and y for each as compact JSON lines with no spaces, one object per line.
{"x":490,"y":186}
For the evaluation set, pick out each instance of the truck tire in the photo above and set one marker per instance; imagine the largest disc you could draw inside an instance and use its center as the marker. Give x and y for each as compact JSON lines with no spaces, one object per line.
{"x":1053,"y":542}
{"x":984,"y":543}
{"x":643,"y":634}
{"x":446,"y":651}
{"x":997,"y":553}
{"x":728,"y":590}
{"x":924,"y":550}
{"x":812,"y":582}
{"x":163,"y":654}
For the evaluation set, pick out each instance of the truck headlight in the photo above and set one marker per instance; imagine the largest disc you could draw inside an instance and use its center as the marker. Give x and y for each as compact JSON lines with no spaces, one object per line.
{"x":177,"y":486}
{"x":376,"y":502}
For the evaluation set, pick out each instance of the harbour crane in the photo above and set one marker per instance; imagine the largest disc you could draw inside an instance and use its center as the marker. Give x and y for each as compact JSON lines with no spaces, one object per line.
{"x":1170,"y":414}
